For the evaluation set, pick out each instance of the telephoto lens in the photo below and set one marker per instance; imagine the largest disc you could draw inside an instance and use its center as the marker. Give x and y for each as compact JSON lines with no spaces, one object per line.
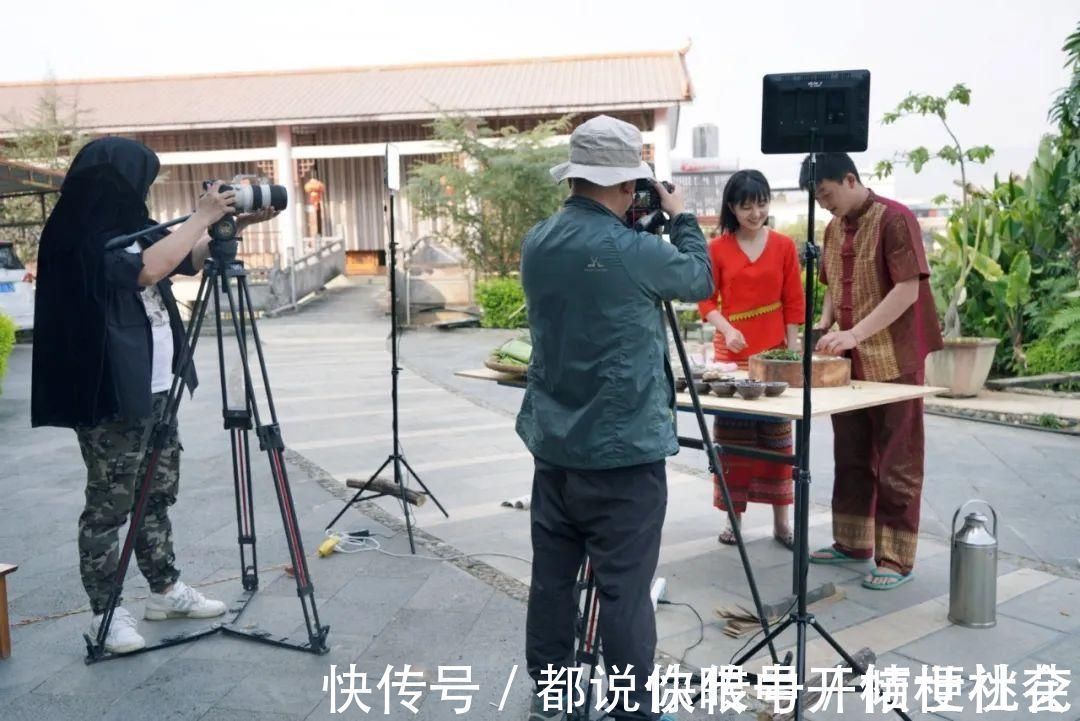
{"x":250,"y":198}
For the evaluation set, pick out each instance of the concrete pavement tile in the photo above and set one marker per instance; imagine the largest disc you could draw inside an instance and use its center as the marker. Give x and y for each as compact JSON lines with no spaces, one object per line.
{"x":218,"y":713}
{"x":52,"y":707}
{"x":1064,"y":654}
{"x":502,"y":621}
{"x":1008,"y":642}
{"x":290,"y":682}
{"x":1056,"y":606}
{"x":180,"y":689}
{"x":367,"y":604}
{"x":838,"y":613}
{"x":431,"y":638}
{"x":449,"y":587}
{"x":404,"y":566}
{"x":58,"y":594}
{"x":43,"y":653}
{"x":112,"y":678}
{"x":715,"y":649}
{"x":328,"y":575}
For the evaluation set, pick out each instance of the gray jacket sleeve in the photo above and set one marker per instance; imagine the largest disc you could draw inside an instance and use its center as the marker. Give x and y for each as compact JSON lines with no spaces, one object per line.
{"x":676,"y":270}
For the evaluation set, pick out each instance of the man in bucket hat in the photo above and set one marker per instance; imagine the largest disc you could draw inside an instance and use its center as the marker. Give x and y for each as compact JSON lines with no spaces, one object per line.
{"x":599,"y":410}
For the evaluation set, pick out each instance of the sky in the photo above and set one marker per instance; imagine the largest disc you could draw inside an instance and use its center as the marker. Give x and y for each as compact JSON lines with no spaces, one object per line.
{"x":1007,"y":52}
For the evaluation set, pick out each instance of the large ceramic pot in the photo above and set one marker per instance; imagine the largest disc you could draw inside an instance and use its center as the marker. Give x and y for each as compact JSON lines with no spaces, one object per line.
{"x":962,"y":366}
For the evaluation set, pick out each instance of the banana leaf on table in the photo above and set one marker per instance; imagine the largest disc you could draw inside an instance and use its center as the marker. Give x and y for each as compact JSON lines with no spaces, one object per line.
{"x":512,"y":356}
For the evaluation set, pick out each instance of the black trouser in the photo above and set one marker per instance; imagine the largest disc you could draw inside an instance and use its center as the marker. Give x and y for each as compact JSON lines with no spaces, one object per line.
{"x":615,"y":517}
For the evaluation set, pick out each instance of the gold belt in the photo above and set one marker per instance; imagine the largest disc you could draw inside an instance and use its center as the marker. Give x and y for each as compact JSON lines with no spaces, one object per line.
{"x":755,"y":312}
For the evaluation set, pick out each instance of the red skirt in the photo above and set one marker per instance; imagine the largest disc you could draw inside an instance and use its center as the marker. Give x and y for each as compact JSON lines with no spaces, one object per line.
{"x":750,"y":480}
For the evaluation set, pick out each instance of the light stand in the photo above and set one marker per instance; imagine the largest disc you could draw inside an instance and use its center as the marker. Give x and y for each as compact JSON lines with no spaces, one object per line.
{"x":396,"y":457}
{"x":811,"y":113}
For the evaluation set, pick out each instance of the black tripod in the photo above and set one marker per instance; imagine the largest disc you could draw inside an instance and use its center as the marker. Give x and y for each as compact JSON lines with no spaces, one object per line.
{"x":220,"y":270}
{"x":396,"y":457}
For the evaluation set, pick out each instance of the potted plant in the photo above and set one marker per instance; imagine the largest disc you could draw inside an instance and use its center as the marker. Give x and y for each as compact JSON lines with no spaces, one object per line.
{"x":964,"y":363}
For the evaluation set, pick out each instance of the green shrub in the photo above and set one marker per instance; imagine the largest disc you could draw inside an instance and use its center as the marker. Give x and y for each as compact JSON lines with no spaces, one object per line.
{"x":503,"y":303}
{"x":7,"y":342}
{"x":1047,"y":356}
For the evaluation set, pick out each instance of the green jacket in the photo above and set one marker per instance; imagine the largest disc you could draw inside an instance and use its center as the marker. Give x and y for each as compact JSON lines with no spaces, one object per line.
{"x":600,"y":391}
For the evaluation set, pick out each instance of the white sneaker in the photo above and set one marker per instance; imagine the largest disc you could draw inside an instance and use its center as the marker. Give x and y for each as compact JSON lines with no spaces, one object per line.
{"x":122,"y":636}
{"x":182,"y":601}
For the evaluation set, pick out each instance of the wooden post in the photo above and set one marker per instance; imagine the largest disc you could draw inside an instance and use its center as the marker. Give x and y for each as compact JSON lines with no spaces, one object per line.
{"x":5,"y":629}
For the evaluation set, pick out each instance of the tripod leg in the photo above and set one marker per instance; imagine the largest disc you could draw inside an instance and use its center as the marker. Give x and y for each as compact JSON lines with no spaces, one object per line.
{"x":588,"y":643}
{"x":850,"y":661}
{"x":96,"y":647}
{"x":427,"y":491}
{"x":270,"y":440}
{"x":714,"y":466}
{"x":238,"y":423}
{"x":245,"y":511}
{"x":399,"y":479}
{"x":359,"y":493}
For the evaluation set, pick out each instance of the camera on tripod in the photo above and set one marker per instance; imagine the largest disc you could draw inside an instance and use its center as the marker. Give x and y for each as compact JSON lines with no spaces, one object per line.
{"x":250,"y":197}
{"x":645,"y":213}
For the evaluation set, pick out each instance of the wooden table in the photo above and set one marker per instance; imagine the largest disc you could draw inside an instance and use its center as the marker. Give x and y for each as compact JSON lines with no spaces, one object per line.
{"x":789,"y":405}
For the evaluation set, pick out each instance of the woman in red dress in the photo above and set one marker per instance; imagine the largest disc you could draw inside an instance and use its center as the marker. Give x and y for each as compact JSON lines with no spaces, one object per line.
{"x":758,"y":306}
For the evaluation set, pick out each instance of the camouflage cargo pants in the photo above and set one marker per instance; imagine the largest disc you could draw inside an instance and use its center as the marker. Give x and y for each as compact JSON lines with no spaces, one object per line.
{"x":113,"y":453}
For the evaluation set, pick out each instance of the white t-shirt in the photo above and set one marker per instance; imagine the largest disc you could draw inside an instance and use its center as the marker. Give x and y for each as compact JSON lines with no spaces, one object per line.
{"x":160,"y":334}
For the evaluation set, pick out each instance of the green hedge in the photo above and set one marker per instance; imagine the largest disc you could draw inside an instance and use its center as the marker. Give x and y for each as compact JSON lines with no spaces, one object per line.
{"x":503,"y":303}
{"x":7,"y":342}
{"x":1047,"y":356}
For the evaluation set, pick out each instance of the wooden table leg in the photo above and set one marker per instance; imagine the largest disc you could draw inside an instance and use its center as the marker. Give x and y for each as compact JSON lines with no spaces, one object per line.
{"x":5,"y":630}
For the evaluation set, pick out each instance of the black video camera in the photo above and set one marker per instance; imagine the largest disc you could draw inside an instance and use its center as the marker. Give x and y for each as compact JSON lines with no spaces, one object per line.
{"x":645,"y":213}
{"x":249,"y":198}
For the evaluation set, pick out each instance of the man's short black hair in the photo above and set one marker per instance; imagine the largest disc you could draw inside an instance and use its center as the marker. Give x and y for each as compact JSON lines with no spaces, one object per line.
{"x":830,"y":166}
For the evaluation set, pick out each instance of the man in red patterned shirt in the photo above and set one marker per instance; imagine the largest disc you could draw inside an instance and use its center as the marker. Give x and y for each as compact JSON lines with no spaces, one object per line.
{"x":874,"y":265}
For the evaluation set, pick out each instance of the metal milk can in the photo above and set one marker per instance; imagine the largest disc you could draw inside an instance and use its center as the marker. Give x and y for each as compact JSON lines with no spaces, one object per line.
{"x":973,"y":570}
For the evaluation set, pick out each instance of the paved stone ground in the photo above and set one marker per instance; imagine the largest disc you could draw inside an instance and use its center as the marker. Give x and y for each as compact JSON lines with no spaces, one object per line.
{"x":329,"y":372}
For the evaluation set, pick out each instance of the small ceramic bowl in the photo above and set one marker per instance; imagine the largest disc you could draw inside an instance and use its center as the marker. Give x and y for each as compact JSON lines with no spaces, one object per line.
{"x":723,"y":387}
{"x":680,"y":384}
{"x":749,"y":390}
{"x":701,"y":387}
{"x":775,"y":388}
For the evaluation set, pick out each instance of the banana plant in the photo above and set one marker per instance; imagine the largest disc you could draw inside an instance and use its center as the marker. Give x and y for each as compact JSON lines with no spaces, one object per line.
{"x":1012,"y":293}
{"x":963,"y":248}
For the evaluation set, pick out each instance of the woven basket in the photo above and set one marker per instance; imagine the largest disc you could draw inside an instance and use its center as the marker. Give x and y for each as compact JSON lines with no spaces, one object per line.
{"x":495,"y":365}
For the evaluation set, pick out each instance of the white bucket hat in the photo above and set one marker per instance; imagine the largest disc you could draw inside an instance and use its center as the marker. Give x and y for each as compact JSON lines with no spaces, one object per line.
{"x":604,"y":151}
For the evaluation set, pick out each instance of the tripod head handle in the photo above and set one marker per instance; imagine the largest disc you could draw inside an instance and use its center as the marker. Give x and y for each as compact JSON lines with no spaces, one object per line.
{"x":123,"y":241}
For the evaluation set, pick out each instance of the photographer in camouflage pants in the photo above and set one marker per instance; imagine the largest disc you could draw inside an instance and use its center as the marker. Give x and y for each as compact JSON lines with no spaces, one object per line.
{"x":115,"y":457}
{"x":108,"y":340}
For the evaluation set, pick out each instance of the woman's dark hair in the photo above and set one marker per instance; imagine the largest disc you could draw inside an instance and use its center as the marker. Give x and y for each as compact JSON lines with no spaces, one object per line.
{"x":742,"y":186}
